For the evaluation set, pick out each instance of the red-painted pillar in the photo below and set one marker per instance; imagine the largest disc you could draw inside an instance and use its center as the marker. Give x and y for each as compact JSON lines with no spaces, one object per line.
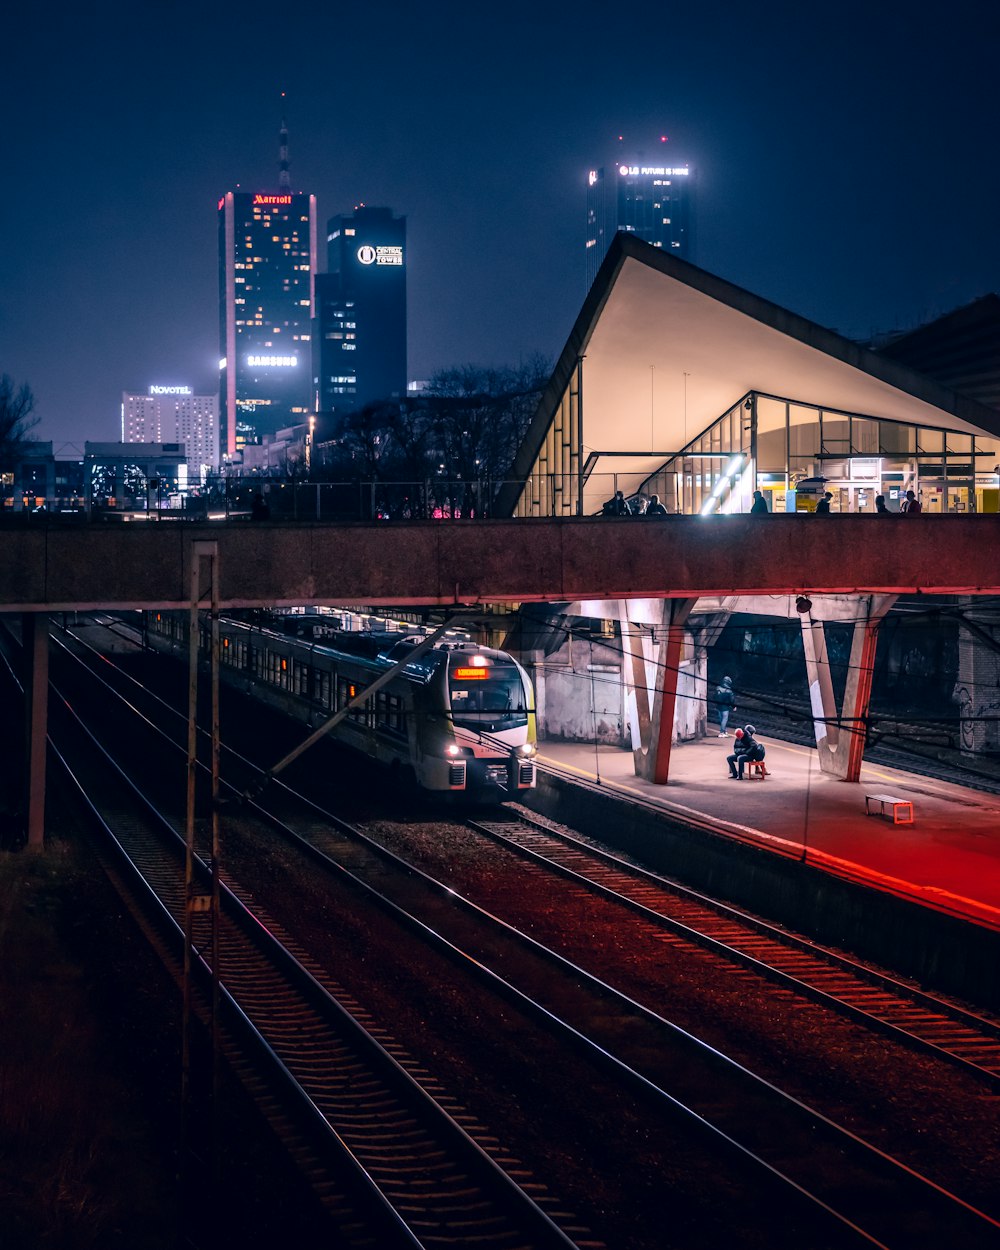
{"x":652,"y":758}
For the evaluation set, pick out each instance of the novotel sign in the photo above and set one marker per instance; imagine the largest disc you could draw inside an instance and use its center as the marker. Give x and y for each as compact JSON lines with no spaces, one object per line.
{"x":370,"y":254}
{"x":271,"y":199}
{"x":170,"y":390}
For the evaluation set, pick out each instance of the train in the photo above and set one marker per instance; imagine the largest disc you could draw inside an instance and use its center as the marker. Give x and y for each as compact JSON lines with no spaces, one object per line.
{"x":457,"y":720}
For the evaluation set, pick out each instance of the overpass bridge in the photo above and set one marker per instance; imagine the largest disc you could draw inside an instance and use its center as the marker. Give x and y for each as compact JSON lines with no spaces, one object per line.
{"x":855,"y":566}
{"x":46,"y":567}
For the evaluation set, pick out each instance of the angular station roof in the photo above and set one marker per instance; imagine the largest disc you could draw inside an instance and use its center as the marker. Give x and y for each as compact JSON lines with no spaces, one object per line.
{"x":667,"y":348}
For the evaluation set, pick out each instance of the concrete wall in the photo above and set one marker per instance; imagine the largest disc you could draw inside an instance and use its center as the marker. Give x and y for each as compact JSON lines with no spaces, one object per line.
{"x":940,"y":951}
{"x":581,"y":695}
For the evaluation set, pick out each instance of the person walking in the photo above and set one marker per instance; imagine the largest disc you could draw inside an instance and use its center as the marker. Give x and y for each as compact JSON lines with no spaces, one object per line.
{"x":824,"y":504}
{"x":725,"y":702}
{"x":759,"y":505}
{"x":911,"y":504}
{"x":654,"y":507}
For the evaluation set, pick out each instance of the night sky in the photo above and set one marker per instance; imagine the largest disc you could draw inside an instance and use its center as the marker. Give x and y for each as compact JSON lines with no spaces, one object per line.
{"x":846,"y":160}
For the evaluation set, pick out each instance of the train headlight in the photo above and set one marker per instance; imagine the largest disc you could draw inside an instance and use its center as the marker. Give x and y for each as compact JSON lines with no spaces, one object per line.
{"x":527,"y":749}
{"x":453,"y":750}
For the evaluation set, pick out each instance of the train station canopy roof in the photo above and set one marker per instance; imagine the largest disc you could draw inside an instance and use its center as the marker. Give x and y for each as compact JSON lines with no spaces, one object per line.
{"x":661,"y":349}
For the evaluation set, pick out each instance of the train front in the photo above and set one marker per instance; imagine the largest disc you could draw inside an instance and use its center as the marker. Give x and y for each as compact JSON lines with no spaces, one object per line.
{"x":492,"y":718}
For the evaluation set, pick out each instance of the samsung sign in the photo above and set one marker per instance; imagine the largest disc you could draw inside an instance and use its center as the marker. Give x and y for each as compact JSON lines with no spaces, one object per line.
{"x":369,"y":254}
{"x":273,"y":362}
{"x":170,"y":390}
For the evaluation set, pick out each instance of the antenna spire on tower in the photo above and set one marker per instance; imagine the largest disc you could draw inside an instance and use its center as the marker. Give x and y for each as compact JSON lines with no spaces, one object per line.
{"x":284,"y":181}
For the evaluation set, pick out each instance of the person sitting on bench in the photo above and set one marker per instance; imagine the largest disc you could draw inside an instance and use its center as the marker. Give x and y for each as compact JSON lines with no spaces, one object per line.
{"x":747,"y":750}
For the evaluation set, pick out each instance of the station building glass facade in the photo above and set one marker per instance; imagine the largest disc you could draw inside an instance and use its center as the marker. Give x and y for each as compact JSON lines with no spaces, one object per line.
{"x":676,"y":383}
{"x":794,"y":453}
{"x":267,"y":262}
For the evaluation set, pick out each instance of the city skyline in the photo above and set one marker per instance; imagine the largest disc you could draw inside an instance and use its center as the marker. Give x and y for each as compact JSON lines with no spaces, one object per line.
{"x":838,"y":176}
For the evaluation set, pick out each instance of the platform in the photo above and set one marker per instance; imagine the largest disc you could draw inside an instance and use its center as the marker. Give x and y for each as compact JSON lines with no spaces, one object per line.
{"x":948,"y":858}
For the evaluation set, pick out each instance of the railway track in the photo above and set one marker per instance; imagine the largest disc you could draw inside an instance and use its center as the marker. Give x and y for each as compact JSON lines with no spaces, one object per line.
{"x":875,"y":999}
{"x":388,"y":1158}
{"x":723,"y":1106}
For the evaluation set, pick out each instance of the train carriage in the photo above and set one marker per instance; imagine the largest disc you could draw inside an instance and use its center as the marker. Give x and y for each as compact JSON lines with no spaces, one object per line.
{"x":459,"y":719}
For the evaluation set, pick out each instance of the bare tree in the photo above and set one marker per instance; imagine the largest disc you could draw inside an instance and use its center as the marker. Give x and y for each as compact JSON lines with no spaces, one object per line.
{"x":16,"y":406}
{"x":450,"y":445}
{"x":481,"y":415}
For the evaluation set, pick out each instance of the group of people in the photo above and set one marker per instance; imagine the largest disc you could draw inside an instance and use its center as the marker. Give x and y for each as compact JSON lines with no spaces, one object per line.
{"x":746,"y":748}
{"x":909,"y":506}
{"x":620,"y":506}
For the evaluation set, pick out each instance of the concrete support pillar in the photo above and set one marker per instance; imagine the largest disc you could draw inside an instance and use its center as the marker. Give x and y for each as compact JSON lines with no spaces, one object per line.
{"x":656,"y":721}
{"x":35,"y":642}
{"x":840,"y":738}
{"x":821,"y":696}
{"x":977,"y":688}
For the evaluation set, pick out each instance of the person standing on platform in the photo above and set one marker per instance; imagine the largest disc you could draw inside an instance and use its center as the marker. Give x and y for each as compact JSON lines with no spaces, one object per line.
{"x":759,"y":505}
{"x":824,"y":504}
{"x":880,"y":508}
{"x":911,"y":504}
{"x":725,"y":701}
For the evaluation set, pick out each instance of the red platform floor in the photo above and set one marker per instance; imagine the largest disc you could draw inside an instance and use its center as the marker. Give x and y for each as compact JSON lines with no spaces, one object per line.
{"x":948,"y":858}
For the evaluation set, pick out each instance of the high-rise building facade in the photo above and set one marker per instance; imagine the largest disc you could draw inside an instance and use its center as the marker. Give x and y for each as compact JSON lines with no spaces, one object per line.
{"x":267,"y":262}
{"x":359,"y":339}
{"x":650,"y":200}
{"x":174,"y":414}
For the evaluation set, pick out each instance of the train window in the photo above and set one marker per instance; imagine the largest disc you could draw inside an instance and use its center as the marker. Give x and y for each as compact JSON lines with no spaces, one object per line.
{"x":389,"y":712}
{"x":346,"y":691}
{"x":395,"y":714}
{"x":498,"y":699}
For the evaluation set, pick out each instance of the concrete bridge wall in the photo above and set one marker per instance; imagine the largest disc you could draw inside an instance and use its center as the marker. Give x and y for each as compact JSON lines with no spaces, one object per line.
{"x":48,"y":567}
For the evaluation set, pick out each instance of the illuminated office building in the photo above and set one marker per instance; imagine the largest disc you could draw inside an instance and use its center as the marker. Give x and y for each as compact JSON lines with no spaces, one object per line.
{"x":267,"y":261}
{"x":359,"y":343}
{"x":649,"y":199}
{"x":174,"y":414}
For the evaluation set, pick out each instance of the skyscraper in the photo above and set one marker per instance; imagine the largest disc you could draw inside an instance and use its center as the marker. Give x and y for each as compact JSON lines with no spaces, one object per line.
{"x":267,"y":262}
{"x":650,"y":199}
{"x":359,"y":344}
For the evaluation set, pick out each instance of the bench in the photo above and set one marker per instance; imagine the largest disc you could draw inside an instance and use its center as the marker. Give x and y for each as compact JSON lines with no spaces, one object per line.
{"x":757,"y":765}
{"x":900,"y":809}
